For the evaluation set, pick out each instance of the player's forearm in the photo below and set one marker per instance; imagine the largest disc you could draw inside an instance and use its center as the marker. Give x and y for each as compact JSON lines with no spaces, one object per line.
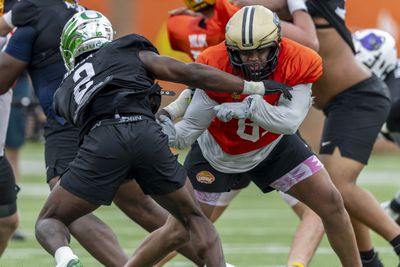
{"x":197,"y":118}
{"x":286,"y":117}
{"x":302,"y":30}
{"x":206,"y":77}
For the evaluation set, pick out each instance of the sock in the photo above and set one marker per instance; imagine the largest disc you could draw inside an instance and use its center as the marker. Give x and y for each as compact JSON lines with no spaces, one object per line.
{"x":64,"y":254}
{"x":396,"y":244}
{"x":395,"y":206}
{"x":367,"y":255}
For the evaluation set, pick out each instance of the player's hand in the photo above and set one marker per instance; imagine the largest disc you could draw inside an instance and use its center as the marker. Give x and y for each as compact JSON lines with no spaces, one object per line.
{"x":177,"y":108}
{"x":184,"y":11}
{"x":168,"y":128}
{"x":238,"y":110}
{"x":273,"y":87}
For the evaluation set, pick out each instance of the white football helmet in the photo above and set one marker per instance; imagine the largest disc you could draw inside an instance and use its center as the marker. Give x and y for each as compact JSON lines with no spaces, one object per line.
{"x":376,"y":49}
{"x":86,"y":31}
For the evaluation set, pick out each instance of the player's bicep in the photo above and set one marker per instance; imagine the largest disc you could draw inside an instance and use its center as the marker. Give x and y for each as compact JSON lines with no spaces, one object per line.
{"x":163,"y":68}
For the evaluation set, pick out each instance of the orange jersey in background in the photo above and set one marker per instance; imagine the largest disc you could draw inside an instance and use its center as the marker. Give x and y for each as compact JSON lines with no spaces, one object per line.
{"x":192,"y":35}
{"x":297,"y":64}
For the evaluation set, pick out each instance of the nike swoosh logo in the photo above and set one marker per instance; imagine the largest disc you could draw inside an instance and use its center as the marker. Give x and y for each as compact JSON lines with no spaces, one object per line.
{"x":341,"y":12}
{"x":325,"y":143}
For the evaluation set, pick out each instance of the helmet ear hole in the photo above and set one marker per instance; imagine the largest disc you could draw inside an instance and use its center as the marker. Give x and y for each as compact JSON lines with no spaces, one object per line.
{"x":86,"y":31}
{"x":376,"y":49}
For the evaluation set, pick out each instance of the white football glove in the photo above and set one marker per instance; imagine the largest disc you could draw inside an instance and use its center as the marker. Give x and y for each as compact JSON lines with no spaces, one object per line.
{"x":168,"y":128}
{"x":238,"y":110}
{"x":294,"y":5}
{"x":177,"y":108}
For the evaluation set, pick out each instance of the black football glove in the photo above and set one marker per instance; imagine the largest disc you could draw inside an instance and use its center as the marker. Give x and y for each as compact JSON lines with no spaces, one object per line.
{"x":273,"y":87}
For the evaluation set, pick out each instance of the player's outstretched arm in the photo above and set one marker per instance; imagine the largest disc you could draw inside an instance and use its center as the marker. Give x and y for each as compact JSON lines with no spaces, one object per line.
{"x":197,"y":75}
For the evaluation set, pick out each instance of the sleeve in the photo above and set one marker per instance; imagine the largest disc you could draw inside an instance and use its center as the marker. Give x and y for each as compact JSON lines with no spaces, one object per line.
{"x":286,"y":116}
{"x":23,"y":13}
{"x":21,"y":44}
{"x":176,"y":28}
{"x":224,"y":11}
{"x":202,"y":58}
{"x":7,"y":18}
{"x":196,"y":120}
{"x":305,"y":66}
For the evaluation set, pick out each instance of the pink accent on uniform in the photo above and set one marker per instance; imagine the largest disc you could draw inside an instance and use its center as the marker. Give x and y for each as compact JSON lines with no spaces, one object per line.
{"x":304,"y":170}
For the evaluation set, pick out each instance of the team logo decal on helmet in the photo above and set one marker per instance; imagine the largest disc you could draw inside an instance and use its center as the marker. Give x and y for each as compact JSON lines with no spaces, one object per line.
{"x":86,"y":31}
{"x":372,"y":41}
{"x":253,"y":28}
{"x":376,"y":49}
{"x":197,"y":5}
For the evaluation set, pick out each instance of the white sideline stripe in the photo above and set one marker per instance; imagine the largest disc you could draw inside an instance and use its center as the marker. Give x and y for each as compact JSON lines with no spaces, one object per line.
{"x":18,"y":253}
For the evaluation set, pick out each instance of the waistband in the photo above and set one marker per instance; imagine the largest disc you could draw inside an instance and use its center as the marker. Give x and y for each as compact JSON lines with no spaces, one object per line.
{"x":119,"y":120}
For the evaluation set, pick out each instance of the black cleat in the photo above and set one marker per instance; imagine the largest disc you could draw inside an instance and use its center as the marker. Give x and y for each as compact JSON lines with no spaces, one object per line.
{"x":374,"y":262}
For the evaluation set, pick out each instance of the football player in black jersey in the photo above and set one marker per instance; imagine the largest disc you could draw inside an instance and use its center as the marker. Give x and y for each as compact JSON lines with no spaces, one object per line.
{"x":356,"y":103}
{"x":383,"y":62}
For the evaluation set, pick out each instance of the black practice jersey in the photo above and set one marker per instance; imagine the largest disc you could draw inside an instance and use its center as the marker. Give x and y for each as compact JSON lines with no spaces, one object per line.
{"x":334,"y":11}
{"x":111,"y":80}
{"x":48,"y":18}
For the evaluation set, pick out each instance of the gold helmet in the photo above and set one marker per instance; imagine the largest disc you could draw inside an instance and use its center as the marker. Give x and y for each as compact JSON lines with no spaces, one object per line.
{"x":253,"y":28}
{"x":197,"y":5}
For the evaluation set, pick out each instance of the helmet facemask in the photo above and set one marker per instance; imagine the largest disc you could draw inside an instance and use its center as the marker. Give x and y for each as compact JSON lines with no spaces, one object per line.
{"x":255,"y":70}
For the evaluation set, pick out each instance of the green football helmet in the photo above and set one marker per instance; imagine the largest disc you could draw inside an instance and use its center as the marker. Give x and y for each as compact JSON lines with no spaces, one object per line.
{"x":86,"y":31}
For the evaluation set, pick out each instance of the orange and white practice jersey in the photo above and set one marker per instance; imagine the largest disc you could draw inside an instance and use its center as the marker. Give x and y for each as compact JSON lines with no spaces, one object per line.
{"x":192,"y":35}
{"x":241,"y":144}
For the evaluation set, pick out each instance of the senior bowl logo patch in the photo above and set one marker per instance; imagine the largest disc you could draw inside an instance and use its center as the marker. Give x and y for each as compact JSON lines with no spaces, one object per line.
{"x":205,"y":177}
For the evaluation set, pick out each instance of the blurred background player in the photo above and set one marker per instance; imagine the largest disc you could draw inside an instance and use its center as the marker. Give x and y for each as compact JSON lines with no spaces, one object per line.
{"x":376,"y":49}
{"x":34,"y":47}
{"x":16,"y":130}
{"x":9,"y":218}
{"x":356,"y":104}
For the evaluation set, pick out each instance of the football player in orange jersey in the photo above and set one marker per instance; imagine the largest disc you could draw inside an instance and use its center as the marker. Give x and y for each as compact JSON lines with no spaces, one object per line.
{"x":253,"y":137}
{"x":202,"y":24}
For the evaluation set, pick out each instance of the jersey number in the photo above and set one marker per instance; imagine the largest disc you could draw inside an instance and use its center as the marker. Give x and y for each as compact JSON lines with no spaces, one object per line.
{"x":82,"y":78}
{"x":255,"y":131}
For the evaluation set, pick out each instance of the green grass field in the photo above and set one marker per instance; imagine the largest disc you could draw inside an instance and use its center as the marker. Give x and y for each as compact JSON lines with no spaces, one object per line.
{"x":255,"y":231}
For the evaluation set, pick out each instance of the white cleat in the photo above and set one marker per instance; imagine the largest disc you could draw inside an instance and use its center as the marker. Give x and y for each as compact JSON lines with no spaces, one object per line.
{"x":386,"y":207}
